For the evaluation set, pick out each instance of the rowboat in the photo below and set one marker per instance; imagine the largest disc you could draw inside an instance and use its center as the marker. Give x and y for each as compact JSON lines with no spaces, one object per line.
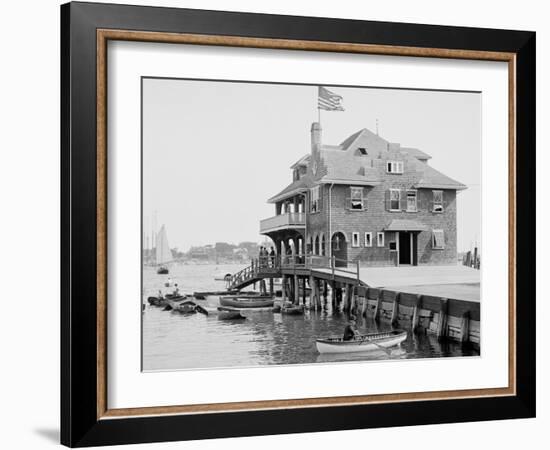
{"x":163,"y":301}
{"x":363,"y":343}
{"x":249,"y":295}
{"x":228,"y":314}
{"x":203,"y":295}
{"x":245,"y":302}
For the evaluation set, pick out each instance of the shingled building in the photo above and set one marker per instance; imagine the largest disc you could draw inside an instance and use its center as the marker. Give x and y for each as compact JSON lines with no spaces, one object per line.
{"x":369,"y":200}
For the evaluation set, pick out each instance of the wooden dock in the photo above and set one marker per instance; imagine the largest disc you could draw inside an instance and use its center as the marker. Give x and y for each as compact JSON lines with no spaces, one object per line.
{"x":440,"y":300}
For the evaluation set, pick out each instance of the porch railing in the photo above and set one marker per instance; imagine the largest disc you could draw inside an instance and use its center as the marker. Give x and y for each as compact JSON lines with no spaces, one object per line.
{"x":291,"y":219}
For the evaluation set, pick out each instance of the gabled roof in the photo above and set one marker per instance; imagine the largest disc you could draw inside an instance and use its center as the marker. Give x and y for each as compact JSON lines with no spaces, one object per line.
{"x":346,"y":143}
{"x":346,"y":168}
{"x":433,"y":179}
{"x":292,"y":189}
{"x":338,"y":164}
{"x":418,"y":154}
{"x":303,"y":161}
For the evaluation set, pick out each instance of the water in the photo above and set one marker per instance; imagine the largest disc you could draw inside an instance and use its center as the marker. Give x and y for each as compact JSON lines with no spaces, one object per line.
{"x":173,"y":341}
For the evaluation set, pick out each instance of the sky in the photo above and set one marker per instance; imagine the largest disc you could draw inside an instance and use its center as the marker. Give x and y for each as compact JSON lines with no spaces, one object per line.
{"x":215,"y":151}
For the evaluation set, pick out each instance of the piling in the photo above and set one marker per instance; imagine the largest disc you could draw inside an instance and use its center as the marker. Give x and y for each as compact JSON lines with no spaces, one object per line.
{"x":442,"y":319}
{"x":296,"y":293}
{"x":361,"y":295}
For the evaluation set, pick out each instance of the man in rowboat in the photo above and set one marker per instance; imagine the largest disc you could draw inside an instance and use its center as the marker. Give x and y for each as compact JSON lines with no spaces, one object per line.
{"x":350,"y":332}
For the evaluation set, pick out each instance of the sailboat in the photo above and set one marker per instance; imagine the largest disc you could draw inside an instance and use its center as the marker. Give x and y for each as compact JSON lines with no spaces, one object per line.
{"x":163,"y":254}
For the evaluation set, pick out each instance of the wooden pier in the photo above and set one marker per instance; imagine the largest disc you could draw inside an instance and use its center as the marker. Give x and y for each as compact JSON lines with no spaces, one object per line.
{"x":443,"y":301}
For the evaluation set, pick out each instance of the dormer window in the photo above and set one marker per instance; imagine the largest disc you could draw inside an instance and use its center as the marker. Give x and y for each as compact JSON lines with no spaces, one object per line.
{"x":394,"y":167}
{"x":361,"y":151}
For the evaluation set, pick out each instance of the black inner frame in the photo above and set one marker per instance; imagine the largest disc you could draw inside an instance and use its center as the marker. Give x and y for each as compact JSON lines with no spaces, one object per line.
{"x":79,"y":424}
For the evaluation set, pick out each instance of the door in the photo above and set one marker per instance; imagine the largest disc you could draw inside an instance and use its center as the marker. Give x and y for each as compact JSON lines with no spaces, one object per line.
{"x":405,"y":247}
{"x":340,"y":249}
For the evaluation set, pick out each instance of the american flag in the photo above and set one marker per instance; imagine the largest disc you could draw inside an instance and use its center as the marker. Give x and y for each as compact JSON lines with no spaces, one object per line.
{"x":329,"y":101}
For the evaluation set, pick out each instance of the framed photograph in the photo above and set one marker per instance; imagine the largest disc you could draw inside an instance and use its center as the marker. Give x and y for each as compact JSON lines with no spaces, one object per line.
{"x":277,"y":224}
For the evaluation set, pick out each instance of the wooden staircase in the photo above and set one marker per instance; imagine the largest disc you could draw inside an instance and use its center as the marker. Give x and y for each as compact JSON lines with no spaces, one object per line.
{"x":260,"y":268}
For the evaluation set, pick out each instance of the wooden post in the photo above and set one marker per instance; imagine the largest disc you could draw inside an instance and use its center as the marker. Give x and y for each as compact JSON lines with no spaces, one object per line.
{"x":304,"y":290}
{"x":395,"y":309}
{"x":345,"y":305}
{"x":283,"y":287}
{"x":271,"y":287}
{"x":442,"y":324}
{"x":325,"y":293}
{"x":296,"y":299}
{"x":414,"y":323}
{"x":465,"y":327}
{"x":314,"y":293}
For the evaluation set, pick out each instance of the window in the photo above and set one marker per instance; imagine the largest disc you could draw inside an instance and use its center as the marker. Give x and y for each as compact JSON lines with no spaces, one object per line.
{"x":438,"y":239}
{"x":315,"y":203}
{"x":438,"y":201}
{"x":411,"y":201}
{"x":380,"y":239}
{"x":355,"y":239}
{"x":394,"y":167}
{"x":368,"y":239}
{"x":361,"y":151}
{"x":395,"y":198}
{"x":356,"y":194}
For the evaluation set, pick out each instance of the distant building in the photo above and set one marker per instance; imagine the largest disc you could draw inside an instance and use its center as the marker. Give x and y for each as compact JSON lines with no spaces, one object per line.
{"x":369,"y":200}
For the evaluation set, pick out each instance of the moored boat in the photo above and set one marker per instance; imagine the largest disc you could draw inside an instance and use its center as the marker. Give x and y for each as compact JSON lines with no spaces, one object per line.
{"x":229,"y":314}
{"x":363,"y":343}
{"x":247,"y":302}
{"x":203,"y":295}
{"x":166,"y":300}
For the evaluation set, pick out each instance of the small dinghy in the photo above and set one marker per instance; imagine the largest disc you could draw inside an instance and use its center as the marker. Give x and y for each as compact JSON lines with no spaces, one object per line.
{"x":247,"y":302}
{"x":203,"y":295}
{"x":185,"y":308}
{"x":163,"y":301}
{"x":229,"y":314}
{"x":363,"y":343}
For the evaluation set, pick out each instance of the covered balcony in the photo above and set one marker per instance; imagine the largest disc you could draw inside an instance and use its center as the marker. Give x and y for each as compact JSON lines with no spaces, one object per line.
{"x":286,"y":221}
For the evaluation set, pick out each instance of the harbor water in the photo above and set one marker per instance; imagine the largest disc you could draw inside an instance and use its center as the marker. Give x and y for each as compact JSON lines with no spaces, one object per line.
{"x":174,"y":341}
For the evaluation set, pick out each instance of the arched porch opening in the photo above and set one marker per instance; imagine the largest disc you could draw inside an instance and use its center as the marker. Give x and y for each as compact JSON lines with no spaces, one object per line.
{"x":339,"y":249}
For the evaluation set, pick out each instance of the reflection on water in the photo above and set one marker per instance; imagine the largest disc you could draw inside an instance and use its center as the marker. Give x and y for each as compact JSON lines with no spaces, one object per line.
{"x":174,"y":341}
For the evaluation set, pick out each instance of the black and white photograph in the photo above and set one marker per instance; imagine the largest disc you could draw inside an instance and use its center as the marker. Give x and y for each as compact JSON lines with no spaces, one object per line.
{"x":301,"y":224}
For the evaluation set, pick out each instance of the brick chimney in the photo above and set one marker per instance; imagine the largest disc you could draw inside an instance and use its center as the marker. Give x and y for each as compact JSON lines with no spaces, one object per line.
{"x":316,"y":132}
